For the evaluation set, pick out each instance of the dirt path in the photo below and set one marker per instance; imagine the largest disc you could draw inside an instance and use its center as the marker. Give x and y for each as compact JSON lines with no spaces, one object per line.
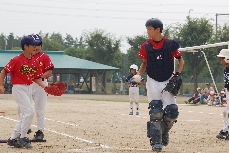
{"x":77,"y":123}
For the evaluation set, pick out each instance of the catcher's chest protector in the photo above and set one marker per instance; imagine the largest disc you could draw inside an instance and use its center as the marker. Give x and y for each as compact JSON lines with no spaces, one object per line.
{"x":160,"y":65}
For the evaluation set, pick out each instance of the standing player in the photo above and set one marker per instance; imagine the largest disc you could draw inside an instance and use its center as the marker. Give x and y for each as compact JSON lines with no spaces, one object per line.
{"x":158,"y":55}
{"x":39,"y":94}
{"x":224,"y":57}
{"x":133,"y":88}
{"x":24,"y":70}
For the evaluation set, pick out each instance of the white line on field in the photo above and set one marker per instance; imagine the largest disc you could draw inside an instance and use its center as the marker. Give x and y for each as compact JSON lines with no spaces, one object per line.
{"x":190,"y":120}
{"x":63,"y":134}
{"x":82,"y":150}
{"x":61,"y":122}
{"x":81,"y":139}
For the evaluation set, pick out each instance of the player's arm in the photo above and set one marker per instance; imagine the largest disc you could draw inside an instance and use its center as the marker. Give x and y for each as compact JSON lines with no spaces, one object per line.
{"x":47,"y":74}
{"x":127,"y":83}
{"x":49,"y":66}
{"x":142,"y":82}
{"x":40,"y":82}
{"x":142,"y":67}
{"x":2,"y":76}
{"x":180,"y":64}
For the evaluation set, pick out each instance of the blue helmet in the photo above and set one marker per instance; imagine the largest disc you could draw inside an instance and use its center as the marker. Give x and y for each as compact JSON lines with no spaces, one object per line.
{"x":154,"y":22}
{"x":39,"y":38}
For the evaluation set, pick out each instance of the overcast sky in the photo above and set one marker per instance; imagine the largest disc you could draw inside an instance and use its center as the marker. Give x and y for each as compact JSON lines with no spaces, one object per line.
{"x":121,"y":17}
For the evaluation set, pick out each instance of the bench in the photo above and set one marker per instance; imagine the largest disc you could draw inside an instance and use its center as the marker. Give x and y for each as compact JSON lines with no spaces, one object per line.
{"x":78,"y":91}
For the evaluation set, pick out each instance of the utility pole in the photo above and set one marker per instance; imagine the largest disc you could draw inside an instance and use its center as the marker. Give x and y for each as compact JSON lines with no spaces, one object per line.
{"x":217,"y":14}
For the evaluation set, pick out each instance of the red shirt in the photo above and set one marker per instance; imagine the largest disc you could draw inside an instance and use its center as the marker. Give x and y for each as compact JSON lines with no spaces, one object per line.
{"x":44,"y":61}
{"x":23,"y":70}
{"x":142,"y":53}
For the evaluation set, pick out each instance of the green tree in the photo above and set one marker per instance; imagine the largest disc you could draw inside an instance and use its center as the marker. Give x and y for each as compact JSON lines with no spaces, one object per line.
{"x":53,"y":42}
{"x":215,"y":66}
{"x":77,"y":52}
{"x":103,"y":47}
{"x":68,"y":41}
{"x":79,"y":43}
{"x":135,"y":43}
{"x":2,"y":41}
{"x":12,"y":42}
{"x":195,"y":32}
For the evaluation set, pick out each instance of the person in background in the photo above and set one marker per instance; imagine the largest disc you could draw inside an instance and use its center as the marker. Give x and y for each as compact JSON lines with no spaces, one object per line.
{"x":133,"y":88}
{"x":205,"y":93}
{"x":195,"y":98}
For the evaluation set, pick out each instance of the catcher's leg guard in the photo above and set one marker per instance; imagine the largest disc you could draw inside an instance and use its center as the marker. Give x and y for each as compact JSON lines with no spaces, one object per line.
{"x":154,"y":131}
{"x":170,"y":115}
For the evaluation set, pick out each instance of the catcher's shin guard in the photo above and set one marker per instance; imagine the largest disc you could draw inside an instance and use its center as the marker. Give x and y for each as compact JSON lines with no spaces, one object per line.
{"x":154,"y":131}
{"x":170,"y":115}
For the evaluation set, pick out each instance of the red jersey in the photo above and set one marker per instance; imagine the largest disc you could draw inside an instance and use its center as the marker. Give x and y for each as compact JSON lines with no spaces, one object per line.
{"x":23,"y":70}
{"x":44,"y":61}
{"x":142,"y":52}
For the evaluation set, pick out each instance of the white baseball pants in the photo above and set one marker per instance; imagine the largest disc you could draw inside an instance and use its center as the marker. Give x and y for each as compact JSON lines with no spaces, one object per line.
{"x":154,"y":92}
{"x":23,"y":97}
{"x":40,"y":98}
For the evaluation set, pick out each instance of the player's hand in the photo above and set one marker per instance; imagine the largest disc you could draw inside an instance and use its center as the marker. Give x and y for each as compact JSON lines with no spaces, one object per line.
{"x":2,"y":89}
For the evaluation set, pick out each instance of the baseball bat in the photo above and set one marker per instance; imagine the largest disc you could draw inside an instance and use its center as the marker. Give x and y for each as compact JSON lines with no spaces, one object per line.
{"x":3,"y":140}
{"x":44,"y":140}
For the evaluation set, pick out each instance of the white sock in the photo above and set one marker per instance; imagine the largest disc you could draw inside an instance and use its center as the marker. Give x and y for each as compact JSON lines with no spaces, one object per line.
{"x":14,"y":135}
{"x":131,"y":106}
{"x":137,"y":105}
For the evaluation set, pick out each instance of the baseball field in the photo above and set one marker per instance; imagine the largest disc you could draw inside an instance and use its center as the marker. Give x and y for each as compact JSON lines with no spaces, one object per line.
{"x":101,"y":124}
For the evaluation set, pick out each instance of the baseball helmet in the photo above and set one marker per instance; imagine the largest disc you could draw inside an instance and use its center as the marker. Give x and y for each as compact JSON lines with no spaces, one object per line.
{"x":224,"y":53}
{"x":154,"y":22}
{"x":133,"y":66}
{"x":37,"y":37}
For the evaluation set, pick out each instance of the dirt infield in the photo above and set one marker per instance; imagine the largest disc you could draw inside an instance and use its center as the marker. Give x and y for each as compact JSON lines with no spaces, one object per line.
{"x":100,"y":124}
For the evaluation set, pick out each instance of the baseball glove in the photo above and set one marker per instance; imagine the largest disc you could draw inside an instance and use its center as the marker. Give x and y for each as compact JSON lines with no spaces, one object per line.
{"x":174,"y":84}
{"x":56,"y":89}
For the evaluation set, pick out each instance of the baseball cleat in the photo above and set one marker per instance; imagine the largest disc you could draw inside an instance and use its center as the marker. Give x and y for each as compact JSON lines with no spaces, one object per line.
{"x":38,"y":135}
{"x":157,"y":147}
{"x":25,"y":142}
{"x":14,"y":142}
{"x":223,"y":135}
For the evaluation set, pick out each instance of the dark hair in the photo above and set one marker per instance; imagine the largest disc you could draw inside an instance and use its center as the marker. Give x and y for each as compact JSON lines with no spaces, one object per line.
{"x":155,"y":23}
{"x":40,"y":44}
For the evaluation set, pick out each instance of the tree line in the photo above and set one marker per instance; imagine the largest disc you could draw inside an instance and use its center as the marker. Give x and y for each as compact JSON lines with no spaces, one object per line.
{"x":103,"y":47}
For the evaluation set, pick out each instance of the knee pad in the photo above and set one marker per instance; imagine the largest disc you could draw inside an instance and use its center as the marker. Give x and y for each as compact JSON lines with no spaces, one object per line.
{"x":171,"y":113}
{"x":156,"y":111}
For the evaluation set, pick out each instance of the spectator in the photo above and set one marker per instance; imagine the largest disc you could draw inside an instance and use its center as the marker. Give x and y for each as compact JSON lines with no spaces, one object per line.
{"x":211,"y":99}
{"x":205,"y":94}
{"x":196,"y":97}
